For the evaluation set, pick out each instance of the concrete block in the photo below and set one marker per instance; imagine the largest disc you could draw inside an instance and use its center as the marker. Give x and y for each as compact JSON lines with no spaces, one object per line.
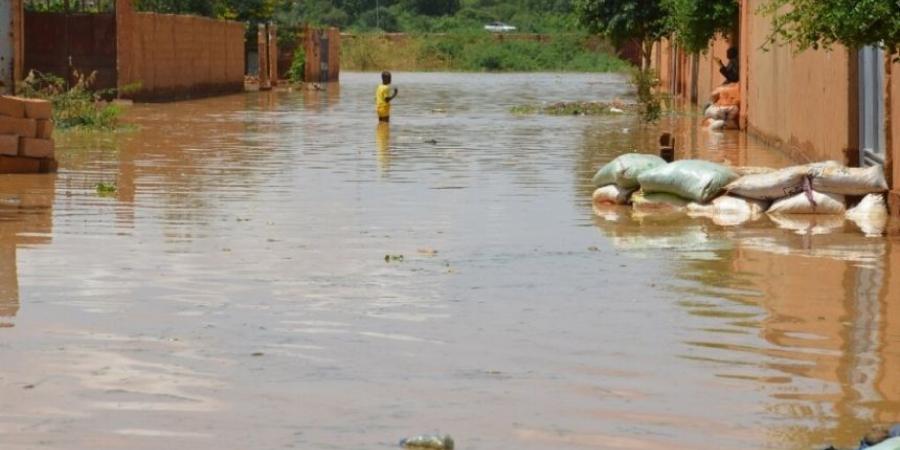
{"x":20,"y":127}
{"x":38,"y":109}
{"x":12,"y":107}
{"x":36,"y":148}
{"x":9,"y":144}
{"x":44,"y":129}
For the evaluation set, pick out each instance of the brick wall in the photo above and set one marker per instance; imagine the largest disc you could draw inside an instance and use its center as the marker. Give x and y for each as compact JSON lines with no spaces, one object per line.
{"x":176,"y":56}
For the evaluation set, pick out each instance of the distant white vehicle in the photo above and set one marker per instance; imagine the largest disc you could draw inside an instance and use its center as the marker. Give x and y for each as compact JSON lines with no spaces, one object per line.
{"x":499,"y":27}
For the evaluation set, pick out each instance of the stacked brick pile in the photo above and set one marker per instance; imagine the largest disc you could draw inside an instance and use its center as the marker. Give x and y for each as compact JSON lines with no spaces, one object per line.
{"x":26,"y":135}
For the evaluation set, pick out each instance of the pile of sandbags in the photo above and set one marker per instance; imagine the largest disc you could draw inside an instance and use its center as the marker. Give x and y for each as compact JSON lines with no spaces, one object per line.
{"x":618,"y":179}
{"x":26,"y":128}
{"x":734,"y":196}
{"x":820,"y":188}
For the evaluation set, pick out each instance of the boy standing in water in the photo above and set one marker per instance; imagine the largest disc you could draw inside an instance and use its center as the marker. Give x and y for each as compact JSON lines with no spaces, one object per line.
{"x":383,"y":97}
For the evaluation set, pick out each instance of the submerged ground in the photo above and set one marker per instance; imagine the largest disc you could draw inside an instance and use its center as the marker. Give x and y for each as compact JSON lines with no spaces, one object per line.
{"x":234,"y":292}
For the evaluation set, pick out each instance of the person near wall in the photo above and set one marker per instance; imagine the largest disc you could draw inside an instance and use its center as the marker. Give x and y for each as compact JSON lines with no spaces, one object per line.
{"x":730,"y":71}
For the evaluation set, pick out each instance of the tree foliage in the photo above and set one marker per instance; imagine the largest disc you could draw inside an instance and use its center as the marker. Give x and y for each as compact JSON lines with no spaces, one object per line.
{"x":696,"y":22}
{"x":822,"y":23}
{"x":622,"y":20}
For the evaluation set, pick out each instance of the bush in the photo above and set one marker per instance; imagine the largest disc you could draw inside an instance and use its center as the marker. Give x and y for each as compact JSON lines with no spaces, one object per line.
{"x":479,"y":51}
{"x":378,"y":19}
{"x":298,"y":66}
{"x":75,"y":106}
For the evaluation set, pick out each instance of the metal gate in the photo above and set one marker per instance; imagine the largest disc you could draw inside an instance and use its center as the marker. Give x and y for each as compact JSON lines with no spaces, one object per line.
{"x":6,"y":47}
{"x":323,"y":61}
{"x":871,"y":106}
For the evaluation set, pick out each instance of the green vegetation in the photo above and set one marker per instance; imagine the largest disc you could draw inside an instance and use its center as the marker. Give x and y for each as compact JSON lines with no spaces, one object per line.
{"x":569,"y":109}
{"x":644,"y":21}
{"x":75,"y":106}
{"x":478,"y":51}
{"x":298,"y":66}
{"x":822,"y":23}
{"x":649,"y":99}
{"x":105,"y":189}
{"x":696,"y":22}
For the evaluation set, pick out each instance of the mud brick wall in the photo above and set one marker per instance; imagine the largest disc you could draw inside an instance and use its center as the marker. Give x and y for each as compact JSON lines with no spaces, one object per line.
{"x":176,"y":56}
{"x":26,"y":136}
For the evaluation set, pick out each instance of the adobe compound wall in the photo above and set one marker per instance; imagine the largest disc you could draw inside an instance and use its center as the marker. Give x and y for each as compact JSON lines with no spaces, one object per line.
{"x":175,"y":56}
{"x":802,"y":102}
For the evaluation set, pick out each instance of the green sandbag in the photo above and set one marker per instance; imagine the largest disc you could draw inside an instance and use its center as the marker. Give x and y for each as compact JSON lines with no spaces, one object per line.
{"x":693,"y":179}
{"x":624,"y":170}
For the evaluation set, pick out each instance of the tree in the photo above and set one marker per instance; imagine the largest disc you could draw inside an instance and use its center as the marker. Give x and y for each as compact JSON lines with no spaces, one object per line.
{"x":696,"y":22}
{"x":621,"y":20}
{"x":822,"y":23}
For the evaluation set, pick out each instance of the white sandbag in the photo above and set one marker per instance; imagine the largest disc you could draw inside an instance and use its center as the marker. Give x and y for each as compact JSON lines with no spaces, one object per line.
{"x":613,"y":195}
{"x":822,"y":203}
{"x":809,"y":224}
{"x":657,"y":203}
{"x":716,"y":112}
{"x":751,"y":170}
{"x":775,"y":184}
{"x":728,"y":211}
{"x":870,"y":215}
{"x":717,"y":125}
{"x":771,"y":185}
{"x":848,"y":180}
{"x":889,"y":444}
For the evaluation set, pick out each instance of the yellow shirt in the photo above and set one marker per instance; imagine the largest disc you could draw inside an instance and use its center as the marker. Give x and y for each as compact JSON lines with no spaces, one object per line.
{"x":382,"y":106}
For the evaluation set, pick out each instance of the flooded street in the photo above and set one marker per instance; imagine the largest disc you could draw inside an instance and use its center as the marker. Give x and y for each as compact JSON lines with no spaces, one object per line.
{"x":278,"y":271}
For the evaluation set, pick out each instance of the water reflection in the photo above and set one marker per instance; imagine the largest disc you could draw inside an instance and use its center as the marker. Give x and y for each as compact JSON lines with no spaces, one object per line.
{"x":383,"y":146}
{"x":816,"y":291}
{"x":26,"y":205}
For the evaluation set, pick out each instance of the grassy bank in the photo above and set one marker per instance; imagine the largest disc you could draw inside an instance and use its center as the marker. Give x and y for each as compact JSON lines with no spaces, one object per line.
{"x":478,"y":51}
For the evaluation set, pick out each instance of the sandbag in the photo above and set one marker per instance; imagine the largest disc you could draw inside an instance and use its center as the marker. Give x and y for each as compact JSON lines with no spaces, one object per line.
{"x":692,"y":179}
{"x":751,"y":170}
{"x":775,"y":184}
{"x":889,"y":444}
{"x":625,"y":169}
{"x":870,"y":215}
{"x":822,"y":203}
{"x":848,"y":180}
{"x":728,"y":210}
{"x":613,"y":195}
{"x":716,"y":112}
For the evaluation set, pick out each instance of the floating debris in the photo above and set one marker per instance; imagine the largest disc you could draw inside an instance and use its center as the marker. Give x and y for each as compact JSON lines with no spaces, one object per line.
{"x":106,"y":189}
{"x":434,"y":442}
{"x":394,"y":258}
{"x":573,"y":109}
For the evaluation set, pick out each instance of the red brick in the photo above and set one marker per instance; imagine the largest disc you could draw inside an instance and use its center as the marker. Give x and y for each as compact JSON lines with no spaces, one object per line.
{"x":36,"y":148}
{"x":9,"y":144}
{"x":44,"y":129}
{"x":38,"y":109}
{"x":18,"y":164}
{"x":12,"y":107}
{"x":19,"y":127}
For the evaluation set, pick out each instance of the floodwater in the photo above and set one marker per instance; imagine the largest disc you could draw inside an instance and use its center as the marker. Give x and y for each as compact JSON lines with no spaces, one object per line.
{"x":235,"y":294}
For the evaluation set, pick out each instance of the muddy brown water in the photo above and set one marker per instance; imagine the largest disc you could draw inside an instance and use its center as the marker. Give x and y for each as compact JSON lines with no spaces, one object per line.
{"x":234,"y":292}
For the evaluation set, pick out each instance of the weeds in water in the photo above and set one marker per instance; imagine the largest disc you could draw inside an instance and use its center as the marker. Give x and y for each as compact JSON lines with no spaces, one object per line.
{"x":76,"y":106}
{"x":571,"y":109}
{"x":646,"y":82}
{"x":106,"y":189}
